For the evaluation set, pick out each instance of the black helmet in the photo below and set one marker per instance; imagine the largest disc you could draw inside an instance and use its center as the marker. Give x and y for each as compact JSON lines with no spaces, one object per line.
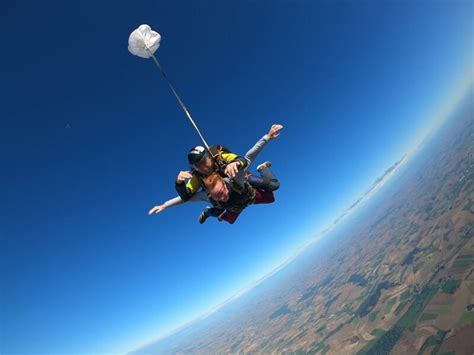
{"x":196,"y":155}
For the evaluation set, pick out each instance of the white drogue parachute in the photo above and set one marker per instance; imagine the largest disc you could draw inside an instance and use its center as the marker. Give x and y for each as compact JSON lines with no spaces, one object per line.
{"x":143,"y":42}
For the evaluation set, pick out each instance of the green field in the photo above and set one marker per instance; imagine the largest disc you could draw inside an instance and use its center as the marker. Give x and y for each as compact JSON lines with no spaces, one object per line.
{"x":355,"y":320}
{"x":428,"y":316}
{"x":419,"y":266}
{"x":405,"y":295}
{"x":389,"y":306}
{"x":463,"y":261}
{"x":440,"y":309}
{"x":450,"y":286}
{"x":434,"y":340}
{"x":367,"y":347}
{"x":467,"y":317}
{"x":468,"y":206}
{"x":465,"y":257}
{"x":400,"y":308}
{"x":322,"y":348}
{"x":387,"y":341}
{"x":411,"y":316}
{"x":325,"y":349}
{"x":364,"y":293}
{"x":378,"y":332}
{"x":373,"y":316}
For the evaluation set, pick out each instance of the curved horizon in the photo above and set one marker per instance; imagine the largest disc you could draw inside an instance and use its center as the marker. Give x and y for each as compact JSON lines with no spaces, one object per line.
{"x":444,"y":113}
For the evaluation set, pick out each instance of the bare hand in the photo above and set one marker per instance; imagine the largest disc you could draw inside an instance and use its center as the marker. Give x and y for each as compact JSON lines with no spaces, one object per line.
{"x":274,"y":131}
{"x":232,"y":169}
{"x":157,"y":209}
{"x":183,"y":175}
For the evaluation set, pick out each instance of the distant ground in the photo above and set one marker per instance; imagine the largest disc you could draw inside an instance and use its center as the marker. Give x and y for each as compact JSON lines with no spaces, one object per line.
{"x":400,"y":281}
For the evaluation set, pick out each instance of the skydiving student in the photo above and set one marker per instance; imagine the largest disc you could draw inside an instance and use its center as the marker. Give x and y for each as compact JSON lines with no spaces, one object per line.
{"x":229,"y":198}
{"x":204,"y":164}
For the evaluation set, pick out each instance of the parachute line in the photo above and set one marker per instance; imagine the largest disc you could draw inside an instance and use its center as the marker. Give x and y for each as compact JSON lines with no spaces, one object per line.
{"x":178,"y":98}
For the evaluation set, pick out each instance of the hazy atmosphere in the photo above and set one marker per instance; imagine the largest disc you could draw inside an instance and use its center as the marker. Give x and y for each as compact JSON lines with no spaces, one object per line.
{"x":92,"y":139}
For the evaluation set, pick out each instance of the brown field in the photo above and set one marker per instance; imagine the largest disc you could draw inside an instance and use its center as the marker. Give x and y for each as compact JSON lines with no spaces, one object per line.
{"x":461,"y":342}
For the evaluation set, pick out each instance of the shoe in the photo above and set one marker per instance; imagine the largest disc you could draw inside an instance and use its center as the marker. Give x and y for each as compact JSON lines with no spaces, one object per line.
{"x":267,"y":164}
{"x":202,"y":217}
{"x":219,"y":217}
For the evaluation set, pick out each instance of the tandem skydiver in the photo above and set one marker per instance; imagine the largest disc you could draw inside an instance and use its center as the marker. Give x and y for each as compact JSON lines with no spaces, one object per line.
{"x":203,"y":166}
{"x":223,"y":162}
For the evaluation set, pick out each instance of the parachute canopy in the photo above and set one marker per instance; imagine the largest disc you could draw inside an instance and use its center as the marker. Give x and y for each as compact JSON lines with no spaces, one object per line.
{"x":144,"y":42}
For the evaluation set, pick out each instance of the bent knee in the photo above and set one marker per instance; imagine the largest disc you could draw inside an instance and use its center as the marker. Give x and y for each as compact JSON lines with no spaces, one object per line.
{"x":274,"y":185}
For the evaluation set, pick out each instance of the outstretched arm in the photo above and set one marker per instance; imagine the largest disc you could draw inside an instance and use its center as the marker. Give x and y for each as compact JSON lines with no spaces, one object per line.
{"x":273,"y":133}
{"x":200,"y":196}
{"x":250,"y":156}
{"x":170,"y":203}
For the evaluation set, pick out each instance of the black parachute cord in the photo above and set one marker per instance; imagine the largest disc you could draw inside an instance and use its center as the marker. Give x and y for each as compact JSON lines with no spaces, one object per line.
{"x":181,"y":103}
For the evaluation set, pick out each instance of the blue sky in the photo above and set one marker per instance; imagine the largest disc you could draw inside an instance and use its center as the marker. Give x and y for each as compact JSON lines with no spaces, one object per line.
{"x":83,"y":267}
